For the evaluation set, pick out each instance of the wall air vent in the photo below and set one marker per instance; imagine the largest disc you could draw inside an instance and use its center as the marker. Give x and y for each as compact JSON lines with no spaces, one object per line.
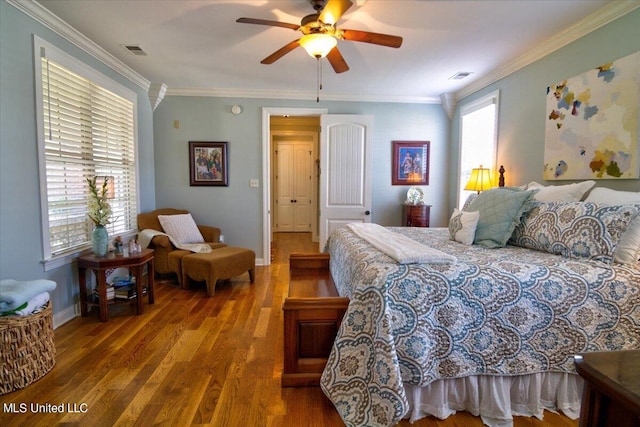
{"x":136,"y":50}
{"x":460,"y":75}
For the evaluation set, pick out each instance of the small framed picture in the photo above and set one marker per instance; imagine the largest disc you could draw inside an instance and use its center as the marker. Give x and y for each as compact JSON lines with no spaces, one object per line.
{"x":410,"y":163}
{"x":208,"y":163}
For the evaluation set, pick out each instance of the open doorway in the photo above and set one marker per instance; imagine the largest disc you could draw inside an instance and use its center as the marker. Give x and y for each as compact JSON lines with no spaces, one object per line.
{"x":270,"y":115}
{"x":294,"y":174}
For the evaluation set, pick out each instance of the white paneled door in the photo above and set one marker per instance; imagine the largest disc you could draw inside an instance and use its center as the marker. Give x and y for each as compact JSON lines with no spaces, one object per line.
{"x":345,"y":171}
{"x":293,"y":185}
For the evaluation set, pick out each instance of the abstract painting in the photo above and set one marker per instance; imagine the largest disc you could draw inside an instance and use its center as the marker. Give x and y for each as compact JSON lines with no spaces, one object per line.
{"x":591,"y":129}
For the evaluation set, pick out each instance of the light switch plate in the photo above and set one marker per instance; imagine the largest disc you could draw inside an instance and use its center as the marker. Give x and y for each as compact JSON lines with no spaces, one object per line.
{"x":254,"y":183}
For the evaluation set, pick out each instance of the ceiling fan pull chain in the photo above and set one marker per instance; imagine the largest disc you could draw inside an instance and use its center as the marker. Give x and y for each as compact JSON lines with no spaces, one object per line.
{"x":319,"y":81}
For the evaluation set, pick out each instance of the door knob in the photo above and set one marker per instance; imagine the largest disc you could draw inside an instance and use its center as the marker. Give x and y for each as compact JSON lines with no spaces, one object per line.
{"x":367,"y":212}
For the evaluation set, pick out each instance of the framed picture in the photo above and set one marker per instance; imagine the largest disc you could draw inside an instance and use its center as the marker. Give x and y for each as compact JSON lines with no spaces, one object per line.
{"x":208,"y":163}
{"x":410,"y":163}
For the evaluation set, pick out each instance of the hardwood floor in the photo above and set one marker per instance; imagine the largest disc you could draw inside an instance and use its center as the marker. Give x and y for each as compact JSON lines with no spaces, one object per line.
{"x":191,"y":360}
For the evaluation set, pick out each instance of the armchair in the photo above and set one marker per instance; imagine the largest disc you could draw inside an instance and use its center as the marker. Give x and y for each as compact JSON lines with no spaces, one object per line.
{"x":168,"y":258}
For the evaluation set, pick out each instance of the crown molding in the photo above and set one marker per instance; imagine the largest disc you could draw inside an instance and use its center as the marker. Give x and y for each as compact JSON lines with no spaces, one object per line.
{"x":598,"y":19}
{"x":601,"y":17}
{"x":298,"y":95}
{"x":38,"y":12}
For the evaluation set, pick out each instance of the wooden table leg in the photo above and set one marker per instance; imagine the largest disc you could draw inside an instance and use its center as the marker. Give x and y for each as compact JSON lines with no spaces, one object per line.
{"x":150,"y":280}
{"x":82,"y":279}
{"x":101,"y":276}
{"x":137,"y":270}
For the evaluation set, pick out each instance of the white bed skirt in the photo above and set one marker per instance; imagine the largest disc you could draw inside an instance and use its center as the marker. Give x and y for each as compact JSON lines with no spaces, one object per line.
{"x":497,"y":399}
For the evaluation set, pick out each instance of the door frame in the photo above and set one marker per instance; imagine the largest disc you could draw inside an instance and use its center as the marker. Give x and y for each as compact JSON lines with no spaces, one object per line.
{"x":267,"y":112}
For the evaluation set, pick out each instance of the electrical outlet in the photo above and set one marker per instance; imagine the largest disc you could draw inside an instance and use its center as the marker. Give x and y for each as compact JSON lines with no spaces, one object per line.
{"x":254,"y":183}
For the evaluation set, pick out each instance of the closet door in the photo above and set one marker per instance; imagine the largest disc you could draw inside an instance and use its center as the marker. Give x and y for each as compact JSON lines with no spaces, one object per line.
{"x":284,"y":186}
{"x":294,"y":189}
{"x":302,"y":191}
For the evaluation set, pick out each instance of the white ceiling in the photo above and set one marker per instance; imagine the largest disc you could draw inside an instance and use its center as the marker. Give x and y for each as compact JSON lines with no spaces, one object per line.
{"x":197,"y":47}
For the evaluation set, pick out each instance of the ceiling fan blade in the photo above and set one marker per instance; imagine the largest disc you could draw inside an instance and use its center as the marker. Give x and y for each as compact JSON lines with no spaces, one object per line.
{"x":337,"y":61}
{"x":375,"y":38}
{"x":281,"y":52}
{"x":333,"y":10}
{"x":268,"y":22}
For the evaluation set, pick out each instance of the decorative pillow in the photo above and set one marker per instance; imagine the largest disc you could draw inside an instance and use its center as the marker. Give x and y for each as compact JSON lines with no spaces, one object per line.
{"x":607,"y":196}
{"x":500,"y":210}
{"x":560,"y":193}
{"x":462,"y":226}
{"x":182,"y":228}
{"x":467,"y":202}
{"x":628,"y":249}
{"x":574,"y":229}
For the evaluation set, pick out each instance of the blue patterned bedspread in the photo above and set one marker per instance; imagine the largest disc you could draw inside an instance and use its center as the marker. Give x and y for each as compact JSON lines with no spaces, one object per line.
{"x":506,"y":311}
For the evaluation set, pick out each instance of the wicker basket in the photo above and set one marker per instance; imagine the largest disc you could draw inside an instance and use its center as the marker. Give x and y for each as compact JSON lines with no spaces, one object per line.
{"x":27,"y":349}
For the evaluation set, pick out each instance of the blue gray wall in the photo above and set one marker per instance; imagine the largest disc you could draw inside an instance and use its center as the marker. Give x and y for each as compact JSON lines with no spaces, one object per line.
{"x":20,"y":214}
{"x":523,"y":102}
{"x":237,"y":209}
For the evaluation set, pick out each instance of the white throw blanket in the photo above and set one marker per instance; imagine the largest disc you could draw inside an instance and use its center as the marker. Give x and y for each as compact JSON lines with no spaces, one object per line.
{"x":34,"y":305}
{"x":399,"y":247}
{"x":145,"y":236}
{"x":15,"y":293}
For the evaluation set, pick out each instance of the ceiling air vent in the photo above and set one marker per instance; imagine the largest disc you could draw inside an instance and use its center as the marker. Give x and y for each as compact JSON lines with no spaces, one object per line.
{"x":136,"y":50}
{"x":460,"y":75}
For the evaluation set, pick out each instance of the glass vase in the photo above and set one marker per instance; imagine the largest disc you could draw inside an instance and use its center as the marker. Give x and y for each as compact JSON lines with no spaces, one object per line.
{"x":100,"y":241}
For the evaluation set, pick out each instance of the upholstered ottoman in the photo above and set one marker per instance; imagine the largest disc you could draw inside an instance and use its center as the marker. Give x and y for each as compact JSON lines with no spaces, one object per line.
{"x":222,"y":263}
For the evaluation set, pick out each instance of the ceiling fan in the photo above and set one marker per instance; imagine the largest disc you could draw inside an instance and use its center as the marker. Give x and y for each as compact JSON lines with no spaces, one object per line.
{"x":320,"y":35}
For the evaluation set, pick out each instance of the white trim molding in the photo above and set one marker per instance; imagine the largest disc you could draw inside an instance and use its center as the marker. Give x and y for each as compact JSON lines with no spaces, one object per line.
{"x":65,"y":315}
{"x":601,"y":17}
{"x":449,"y":102}
{"x":156,"y":94}
{"x":38,"y":12}
{"x":298,"y":95}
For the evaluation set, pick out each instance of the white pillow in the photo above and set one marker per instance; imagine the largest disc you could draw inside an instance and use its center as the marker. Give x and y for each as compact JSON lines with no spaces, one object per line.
{"x":607,"y":196}
{"x":181,"y":228}
{"x":560,"y":193}
{"x":628,"y":249}
{"x":462,"y":226}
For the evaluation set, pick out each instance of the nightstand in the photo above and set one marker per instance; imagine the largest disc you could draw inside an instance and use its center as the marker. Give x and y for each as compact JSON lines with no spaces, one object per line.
{"x":611,"y":395}
{"x":416,"y":215}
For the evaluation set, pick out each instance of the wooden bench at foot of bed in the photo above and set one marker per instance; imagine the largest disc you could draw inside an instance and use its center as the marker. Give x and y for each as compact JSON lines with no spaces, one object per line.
{"x":313,"y":311}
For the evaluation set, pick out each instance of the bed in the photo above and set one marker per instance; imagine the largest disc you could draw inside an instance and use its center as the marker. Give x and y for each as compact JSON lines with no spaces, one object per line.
{"x":493,"y":332}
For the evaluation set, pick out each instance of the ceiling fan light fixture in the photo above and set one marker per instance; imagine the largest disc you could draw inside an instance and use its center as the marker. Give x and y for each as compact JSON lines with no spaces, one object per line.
{"x":318,"y":45}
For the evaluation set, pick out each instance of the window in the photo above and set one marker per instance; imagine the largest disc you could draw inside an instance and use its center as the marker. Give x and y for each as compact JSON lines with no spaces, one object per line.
{"x":86,"y":128}
{"x":478,"y":140}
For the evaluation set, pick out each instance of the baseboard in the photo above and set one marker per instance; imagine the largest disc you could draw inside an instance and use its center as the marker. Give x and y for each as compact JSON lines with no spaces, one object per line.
{"x":62,"y":317}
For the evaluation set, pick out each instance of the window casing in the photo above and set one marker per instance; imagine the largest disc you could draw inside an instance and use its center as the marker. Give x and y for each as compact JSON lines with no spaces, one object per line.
{"x":86,"y":128}
{"x":478,"y":140}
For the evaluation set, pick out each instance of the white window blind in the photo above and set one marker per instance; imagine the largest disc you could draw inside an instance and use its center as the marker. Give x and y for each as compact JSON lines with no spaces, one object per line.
{"x":478,"y":140}
{"x":88,"y":131}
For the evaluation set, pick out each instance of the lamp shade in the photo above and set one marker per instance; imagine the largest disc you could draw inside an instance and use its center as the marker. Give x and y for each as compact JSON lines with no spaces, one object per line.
{"x":480,"y":180}
{"x":318,"y":45}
